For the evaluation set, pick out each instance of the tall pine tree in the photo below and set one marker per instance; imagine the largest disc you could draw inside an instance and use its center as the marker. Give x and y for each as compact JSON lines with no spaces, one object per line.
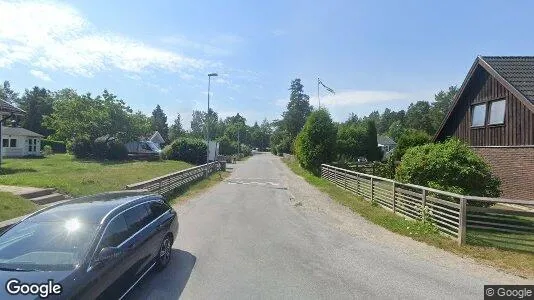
{"x":298,"y":109}
{"x":159,"y":123}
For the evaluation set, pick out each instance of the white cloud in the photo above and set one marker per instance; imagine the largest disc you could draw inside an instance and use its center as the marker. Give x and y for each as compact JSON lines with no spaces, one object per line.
{"x":221,"y":45}
{"x":55,"y":36}
{"x":357,"y":97}
{"x":41,"y":75}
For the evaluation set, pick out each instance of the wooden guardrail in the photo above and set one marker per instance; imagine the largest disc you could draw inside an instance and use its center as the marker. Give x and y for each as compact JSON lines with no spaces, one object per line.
{"x":449,"y":212}
{"x":166,"y":184}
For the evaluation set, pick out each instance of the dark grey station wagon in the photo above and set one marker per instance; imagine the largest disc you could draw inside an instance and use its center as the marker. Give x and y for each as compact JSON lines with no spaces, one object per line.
{"x":92,"y":247}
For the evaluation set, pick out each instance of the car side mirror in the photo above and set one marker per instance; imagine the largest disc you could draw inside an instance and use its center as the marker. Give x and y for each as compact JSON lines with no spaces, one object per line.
{"x":108,"y":253}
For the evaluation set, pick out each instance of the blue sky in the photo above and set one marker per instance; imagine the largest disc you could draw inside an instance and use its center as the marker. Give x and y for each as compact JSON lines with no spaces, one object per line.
{"x":374,"y":54}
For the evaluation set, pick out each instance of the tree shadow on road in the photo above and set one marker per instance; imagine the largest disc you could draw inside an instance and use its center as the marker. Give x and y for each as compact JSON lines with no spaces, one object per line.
{"x":168,"y":283}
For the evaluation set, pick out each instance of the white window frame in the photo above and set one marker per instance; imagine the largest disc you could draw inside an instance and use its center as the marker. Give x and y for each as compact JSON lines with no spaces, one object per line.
{"x":484,"y":105}
{"x":503,"y":113}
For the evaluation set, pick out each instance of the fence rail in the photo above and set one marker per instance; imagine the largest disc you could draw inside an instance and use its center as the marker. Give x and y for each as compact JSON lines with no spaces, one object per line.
{"x":166,"y":184}
{"x":449,"y":212}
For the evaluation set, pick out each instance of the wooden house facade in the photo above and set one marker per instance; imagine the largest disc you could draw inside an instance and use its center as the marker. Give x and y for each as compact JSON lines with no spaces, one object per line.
{"x":494,"y":114}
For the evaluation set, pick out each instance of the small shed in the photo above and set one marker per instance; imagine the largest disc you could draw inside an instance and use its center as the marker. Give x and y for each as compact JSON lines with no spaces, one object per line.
{"x":157,"y":139}
{"x":18,"y":142}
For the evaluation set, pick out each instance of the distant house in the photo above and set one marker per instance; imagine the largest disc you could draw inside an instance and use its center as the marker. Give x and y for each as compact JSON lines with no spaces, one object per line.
{"x":18,"y":142}
{"x":157,"y":139}
{"x":494,"y":114}
{"x":386,"y":143}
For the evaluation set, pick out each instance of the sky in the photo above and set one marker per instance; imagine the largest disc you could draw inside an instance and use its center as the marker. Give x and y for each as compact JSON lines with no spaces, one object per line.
{"x":374,"y":54}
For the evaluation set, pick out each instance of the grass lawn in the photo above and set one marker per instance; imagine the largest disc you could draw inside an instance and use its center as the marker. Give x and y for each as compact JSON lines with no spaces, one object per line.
{"x":198,"y":187}
{"x":82,"y":177}
{"x":516,"y":262}
{"x":12,"y":206}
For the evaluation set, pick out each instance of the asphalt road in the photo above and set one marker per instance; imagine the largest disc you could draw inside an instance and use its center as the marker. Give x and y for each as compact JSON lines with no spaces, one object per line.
{"x":253,"y":236}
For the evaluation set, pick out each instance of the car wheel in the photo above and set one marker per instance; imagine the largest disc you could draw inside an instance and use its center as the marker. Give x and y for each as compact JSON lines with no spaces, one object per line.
{"x":164,"y":254}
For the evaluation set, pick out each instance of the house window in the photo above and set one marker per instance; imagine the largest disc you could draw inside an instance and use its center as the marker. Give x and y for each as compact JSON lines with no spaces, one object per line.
{"x":497,"y":109}
{"x":478,"y":115}
{"x":13,"y":143}
{"x":5,"y":143}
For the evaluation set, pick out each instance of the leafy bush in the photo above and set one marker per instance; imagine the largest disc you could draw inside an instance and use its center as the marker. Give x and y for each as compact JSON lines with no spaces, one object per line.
{"x":449,"y":166}
{"x":315,"y":144}
{"x":284,"y":146}
{"x":351,"y":141}
{"x":57,"y":146}
{"x":81,"y":148}
{"x":246,"y":150}
{"x":227,"y":146}
{"x":47,"y":150}
{"x":190,"y":150}
{"x":112,"y":150}
{"x":410,"y":138}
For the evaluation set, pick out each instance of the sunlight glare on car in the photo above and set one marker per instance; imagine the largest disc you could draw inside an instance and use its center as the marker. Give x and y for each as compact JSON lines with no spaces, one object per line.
{"x":72,"y":225}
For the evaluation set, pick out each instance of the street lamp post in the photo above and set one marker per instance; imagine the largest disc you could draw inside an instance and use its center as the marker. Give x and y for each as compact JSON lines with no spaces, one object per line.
{"x":207,"y":123}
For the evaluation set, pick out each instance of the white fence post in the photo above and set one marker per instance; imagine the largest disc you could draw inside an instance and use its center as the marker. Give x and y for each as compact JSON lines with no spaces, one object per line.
{"x":372,"y":190}
{"x":462,"y":221}
{"x":423,"y":207}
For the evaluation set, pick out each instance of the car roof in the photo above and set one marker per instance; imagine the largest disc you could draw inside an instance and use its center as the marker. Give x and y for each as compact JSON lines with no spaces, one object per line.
{"x":90,"y":209}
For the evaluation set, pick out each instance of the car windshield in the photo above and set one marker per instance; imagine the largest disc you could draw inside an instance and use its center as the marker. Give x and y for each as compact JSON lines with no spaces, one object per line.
{"x":45,"y":246}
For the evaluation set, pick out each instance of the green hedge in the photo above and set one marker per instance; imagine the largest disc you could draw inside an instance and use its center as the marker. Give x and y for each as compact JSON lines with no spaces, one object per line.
{"x":450,"y":166}
{"x":57,"y":146}
{"x":190,"y":150}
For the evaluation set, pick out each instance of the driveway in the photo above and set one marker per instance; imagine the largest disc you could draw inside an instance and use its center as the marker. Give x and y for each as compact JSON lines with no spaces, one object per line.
{"x":266,"y":233}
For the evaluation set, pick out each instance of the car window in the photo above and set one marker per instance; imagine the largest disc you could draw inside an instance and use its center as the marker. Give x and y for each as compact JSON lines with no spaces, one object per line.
{"x":136,"y":218}
{"x":156,"y":209}
{"x":116,"y":232}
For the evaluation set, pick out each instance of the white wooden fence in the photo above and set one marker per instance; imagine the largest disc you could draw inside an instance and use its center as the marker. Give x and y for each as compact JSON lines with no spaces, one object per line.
{"x":166,"y":184}
{"x":447,"y":211}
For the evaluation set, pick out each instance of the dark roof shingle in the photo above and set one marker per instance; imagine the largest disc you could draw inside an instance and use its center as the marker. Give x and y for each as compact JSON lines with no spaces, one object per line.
{"x":517,"y":70}
{"x":6,"y":108}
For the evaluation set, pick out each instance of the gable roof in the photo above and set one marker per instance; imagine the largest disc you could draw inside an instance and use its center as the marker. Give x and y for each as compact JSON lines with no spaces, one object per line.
{"x":19,"y":131}
{"x":6,"y":109}
{"x":517,"y":70}
{"x":515,"y":73}
{"x":385,"y":140}
{"x":157,"y":138}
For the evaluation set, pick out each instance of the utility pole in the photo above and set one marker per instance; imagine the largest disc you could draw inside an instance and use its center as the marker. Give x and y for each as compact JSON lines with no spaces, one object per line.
{"x":207,"y":124}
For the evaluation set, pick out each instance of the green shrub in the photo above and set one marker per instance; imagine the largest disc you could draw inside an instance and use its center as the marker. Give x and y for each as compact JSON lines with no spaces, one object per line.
{"x":190,"y":150}
{"x":284,"y":146}
{"x":227,"y":146}
{"x":410,"y":138}
{"x":315,"y":144}
{"x":450,"y":166}
{"x":81,"y":148}
{"x":246,"y":150}
{"x":57,"y":146}
{"x":351,"y":141}
{"x":47,"y":150}
{"x":111,"y":150}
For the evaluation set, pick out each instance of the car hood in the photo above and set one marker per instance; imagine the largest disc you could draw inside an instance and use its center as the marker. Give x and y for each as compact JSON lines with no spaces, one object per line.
{"x":40,"y":277}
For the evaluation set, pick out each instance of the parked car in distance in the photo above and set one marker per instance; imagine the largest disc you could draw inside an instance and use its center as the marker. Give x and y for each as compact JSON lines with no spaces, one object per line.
{"x":143,"y":149}
{"x":97,"y":246}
